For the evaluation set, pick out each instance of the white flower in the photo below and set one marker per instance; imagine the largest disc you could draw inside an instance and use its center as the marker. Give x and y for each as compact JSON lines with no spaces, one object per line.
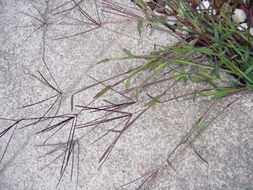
{"x":242,"y":26}
{"x":251,"y":31}
{"x":239,"y":16}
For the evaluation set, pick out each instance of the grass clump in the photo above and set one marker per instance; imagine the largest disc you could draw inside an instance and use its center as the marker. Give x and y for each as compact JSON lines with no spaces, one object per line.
{"x":212,"y":51}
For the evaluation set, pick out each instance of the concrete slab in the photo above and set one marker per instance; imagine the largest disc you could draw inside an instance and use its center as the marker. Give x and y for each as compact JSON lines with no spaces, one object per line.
{"x":227,"y":144}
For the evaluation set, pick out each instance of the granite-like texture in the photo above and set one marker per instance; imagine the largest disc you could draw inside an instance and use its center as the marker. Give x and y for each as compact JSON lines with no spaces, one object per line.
{"x":227,"y":144}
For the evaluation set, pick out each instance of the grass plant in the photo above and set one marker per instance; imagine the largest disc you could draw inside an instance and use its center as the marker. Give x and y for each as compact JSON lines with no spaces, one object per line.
{"x":211,"y":51}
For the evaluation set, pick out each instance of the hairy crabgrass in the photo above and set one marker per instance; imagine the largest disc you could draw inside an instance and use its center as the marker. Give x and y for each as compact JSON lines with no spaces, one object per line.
{"x":211,"y":51}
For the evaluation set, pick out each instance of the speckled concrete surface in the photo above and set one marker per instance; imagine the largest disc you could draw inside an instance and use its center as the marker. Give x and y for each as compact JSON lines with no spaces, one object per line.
{"x":226,"y":145}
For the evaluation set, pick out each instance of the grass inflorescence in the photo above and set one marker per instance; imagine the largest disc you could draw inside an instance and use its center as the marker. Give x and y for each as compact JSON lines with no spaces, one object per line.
{"x":212,"y":51}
